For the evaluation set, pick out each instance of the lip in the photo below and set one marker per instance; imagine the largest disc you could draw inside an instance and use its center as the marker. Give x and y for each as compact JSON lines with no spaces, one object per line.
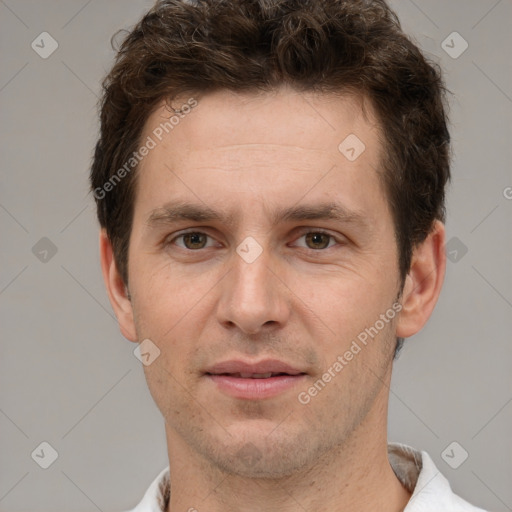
{"x":226,"y":376}
{"x":255,"y":389}
{"x":265,"y":366}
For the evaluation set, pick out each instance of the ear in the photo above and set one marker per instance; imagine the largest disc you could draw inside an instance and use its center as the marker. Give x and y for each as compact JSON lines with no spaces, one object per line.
{"x":423,"y":283}
{"x":117,"y":291}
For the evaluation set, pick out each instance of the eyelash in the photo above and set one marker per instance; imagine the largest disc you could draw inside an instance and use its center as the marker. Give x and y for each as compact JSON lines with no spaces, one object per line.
{"x":168,"y":242}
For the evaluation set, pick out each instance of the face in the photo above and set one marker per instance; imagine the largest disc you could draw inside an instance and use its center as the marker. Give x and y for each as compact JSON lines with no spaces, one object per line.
{"x":259,"y":247}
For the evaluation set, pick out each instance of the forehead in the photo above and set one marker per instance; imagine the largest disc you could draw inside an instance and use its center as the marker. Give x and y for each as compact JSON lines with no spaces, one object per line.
{"x":281,"y":117}
{"x":269,"y":143}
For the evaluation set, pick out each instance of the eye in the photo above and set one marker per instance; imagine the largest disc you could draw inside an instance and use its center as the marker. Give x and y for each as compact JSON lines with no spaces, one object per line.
{"x":196,"y":240}
{"x":318,"y":240}
{"x":193,"y":240}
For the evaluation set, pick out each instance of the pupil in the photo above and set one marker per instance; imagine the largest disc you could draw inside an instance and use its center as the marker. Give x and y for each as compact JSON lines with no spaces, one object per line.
{"x":193,"y":238}
{"x":316,"y":238}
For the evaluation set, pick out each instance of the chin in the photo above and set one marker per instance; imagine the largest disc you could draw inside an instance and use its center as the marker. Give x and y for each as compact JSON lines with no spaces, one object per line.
{"x":263,"y":455}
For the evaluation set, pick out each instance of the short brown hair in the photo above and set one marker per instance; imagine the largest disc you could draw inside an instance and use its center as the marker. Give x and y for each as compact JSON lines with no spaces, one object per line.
{"x":198,"y":46}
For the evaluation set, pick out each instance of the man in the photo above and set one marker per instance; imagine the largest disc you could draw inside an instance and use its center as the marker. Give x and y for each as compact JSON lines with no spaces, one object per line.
{"x":269,"y":181}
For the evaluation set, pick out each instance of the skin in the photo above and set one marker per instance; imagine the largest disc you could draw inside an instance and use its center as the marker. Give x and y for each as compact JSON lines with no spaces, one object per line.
{"x":302,"y":301}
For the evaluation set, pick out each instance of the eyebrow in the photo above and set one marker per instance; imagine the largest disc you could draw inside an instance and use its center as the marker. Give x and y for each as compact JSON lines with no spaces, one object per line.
{"x":179,"y":211}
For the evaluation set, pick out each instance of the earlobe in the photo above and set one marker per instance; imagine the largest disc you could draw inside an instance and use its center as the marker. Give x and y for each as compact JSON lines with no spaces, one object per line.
{"x":117,"y":291}
{"x":423,"y":283}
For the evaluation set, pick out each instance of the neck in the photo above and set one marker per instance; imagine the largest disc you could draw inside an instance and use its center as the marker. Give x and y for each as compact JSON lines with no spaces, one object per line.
{"x":356,"y":476}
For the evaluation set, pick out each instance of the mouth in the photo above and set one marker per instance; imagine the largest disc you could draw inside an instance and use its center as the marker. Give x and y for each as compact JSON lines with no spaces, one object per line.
{"x":267,"y":375}
{"x":254,"y":381}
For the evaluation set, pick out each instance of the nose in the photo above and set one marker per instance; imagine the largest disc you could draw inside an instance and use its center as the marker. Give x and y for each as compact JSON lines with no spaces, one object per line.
{"x":254,"y":295}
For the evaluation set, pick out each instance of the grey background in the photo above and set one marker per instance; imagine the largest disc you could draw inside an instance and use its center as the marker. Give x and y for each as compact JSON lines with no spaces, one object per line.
{"x":69,"y":378}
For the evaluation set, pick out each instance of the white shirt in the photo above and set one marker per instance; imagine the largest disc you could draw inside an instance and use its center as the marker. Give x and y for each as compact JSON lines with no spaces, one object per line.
{"x":430,"y":490}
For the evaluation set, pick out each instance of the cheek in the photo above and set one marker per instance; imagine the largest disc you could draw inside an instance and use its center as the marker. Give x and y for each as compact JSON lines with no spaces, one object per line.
{"x":171,"y":309}
{"x":345,"y":303}
{"x":162,"y":296}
